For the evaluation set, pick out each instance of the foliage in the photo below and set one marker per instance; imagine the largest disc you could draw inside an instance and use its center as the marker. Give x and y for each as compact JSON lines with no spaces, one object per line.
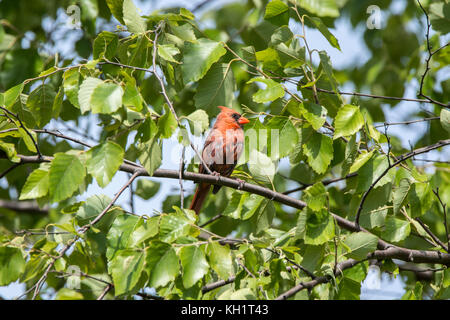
{"x":335,"y":149}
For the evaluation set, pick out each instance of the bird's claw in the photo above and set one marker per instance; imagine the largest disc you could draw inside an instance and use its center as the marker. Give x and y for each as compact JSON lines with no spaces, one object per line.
{"x":241,"y":183}
{"x":216,"y":174}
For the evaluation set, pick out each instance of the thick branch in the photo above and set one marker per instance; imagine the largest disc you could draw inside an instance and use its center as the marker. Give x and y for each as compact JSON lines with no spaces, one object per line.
{"x":23,"y":206}
{"x":398,"y":253}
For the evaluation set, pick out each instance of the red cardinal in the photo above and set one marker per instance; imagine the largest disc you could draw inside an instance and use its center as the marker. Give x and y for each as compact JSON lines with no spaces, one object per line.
{"x":221,"y":151}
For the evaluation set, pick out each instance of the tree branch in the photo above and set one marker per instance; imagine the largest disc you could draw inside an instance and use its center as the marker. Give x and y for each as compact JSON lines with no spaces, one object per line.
{"x":311,"y":284}
{"x":394,"y":251}
{"x":23,"y":206}
{"x":427,"y":61}
{"x":402,"y":158}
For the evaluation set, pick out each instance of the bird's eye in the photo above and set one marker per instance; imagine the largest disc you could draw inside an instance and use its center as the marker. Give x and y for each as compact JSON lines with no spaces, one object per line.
{"x":236,"y":116}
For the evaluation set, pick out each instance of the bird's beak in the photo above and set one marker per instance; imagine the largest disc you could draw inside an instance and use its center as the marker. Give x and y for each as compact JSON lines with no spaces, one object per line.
{"x":243,"y":120}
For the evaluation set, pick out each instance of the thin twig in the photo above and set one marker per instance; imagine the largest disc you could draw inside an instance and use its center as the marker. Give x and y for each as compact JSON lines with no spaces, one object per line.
{"x":4,"y":173}
{"x":166,"y":97}
{"x":431,"y":234}
{"x":180,"y":180}
{"x":444,"y":208}
{"x":324,"y":182}
{"x":427,"y":61}
{"x":311,"y":284}
{"x":406,"y":122}
{"x":7,"y":113}
{"x":402,"y":158}
{"x":37,"y":287}
{"x":103,"y":294}
{"x":216,"y":217}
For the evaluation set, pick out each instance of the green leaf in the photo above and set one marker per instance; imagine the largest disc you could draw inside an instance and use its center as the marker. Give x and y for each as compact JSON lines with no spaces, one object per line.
{"x":361,"y":159}
{"x":419,"y":198}
{"x":106,"y":98}
{"x":375,"y":206}
{"x":360,"y":244}
{"x":66,"y":174}
{"x":348,"y":121}
{"x":36,"y":185}
{"x":132,"y":98}
{"x":313,"y":113}
{"x":194,"y":265}
{"x":216,"y":88}
{"x":116,"y":7}
{"x":68,"y":294}
{"x":319,"y":151}
{"x":243,"y":205}
{"x":186,"y":14}
{"x":319,"y":227}
{"x":199,"y":57}
{"x":199,"y":121}
{"x":86,"y":91}
{"x":323,"y":8}
{"x":167,"y":51}
{"x":325,"y":62}
{"x":264,"y":216}
{"x":167,"y":124}
{"x":40,"y":103}
{"x":150,"y":155}
{"x":143,"y":230}
{"x":134,"y":22}
{"x":371,"y":171}
{"x":163,"y":264}
{"x":275,"y":8}
{"x":11,"y":95}
{"x":10,"y":150}
{"x":281,"y":35}
{"x":261,"y":166}
{"x":273,"y":90}
{"x":12,"y":265}
{"x":25,"y":135}
{"x":316,"y":196}
{"x":400,"y":194}
{"x":283,"y":137}
{"x":439,"y":13}
{"x":414,"y":294}
{"x":220,"y":259}
{"x":146,"y":188}
{"x":243,"y":294}
{"x":184,"y":32}
{"x":349,"y":289}
{"x":99,"y":96}
{"x":105,"y":45}
{"x":445,"y":119}
{"x":396,"y":230}
{"x":126,"y":269}
{"x":92,"y":207}
{"x":325,"y":32}
{"x":72,"y":85}
{"x":173,"y":226}
{"x":103,"y":161}
{"x":119,"y":233}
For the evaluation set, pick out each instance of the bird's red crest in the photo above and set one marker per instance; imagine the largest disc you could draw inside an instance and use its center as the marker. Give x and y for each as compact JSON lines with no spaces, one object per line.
{"x":225,"y":109}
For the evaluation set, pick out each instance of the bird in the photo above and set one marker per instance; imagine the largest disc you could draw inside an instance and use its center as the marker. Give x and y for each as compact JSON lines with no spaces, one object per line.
{"x":221,"y":151}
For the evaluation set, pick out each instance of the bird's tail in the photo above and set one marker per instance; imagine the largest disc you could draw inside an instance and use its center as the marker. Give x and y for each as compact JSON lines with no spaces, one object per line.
{"x":199,"y":197}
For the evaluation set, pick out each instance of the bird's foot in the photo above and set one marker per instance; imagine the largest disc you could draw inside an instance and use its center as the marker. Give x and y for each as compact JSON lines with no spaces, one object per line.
{"x":241,"y":183}
{"x":216,"y":174}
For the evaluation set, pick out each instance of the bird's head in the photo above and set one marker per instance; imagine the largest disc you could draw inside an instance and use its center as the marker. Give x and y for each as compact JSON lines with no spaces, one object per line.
{"x":231,"y":118}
